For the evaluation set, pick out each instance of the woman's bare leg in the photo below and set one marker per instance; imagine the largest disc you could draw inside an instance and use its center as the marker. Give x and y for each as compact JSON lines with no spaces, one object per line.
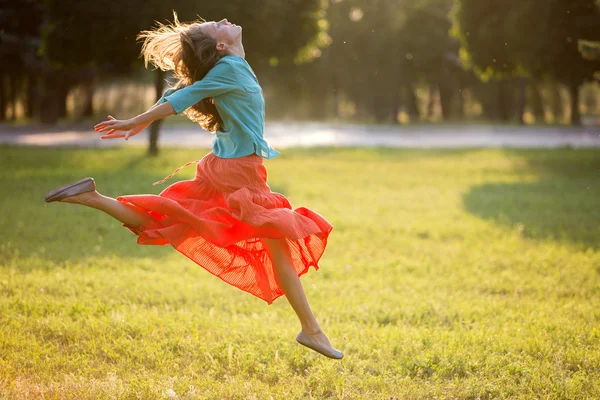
{"x":288,"y":280}
{"x":127,"y":214}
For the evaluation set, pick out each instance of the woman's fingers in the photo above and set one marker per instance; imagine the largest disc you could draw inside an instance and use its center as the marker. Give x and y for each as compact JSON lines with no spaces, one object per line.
{"x":110,"y":127}
{"x":103,"y":125}
{"x":113,"y":124}
{"x":117,"y":135}
{"x":113,"y":135}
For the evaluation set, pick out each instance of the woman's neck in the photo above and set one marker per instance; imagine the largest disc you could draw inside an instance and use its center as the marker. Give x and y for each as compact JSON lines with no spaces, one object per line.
{"x":236,"y":50}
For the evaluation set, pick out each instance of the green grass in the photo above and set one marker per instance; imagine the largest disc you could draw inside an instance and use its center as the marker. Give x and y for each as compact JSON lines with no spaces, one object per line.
{"x":450,"y":274}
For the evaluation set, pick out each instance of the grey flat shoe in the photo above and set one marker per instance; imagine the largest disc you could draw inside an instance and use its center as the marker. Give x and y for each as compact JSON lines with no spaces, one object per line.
{"x":62,"y":192}
{"x":305,"y":340}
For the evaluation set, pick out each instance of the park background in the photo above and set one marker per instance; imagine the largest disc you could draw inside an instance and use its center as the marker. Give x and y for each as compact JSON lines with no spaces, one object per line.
{"x":451,"y":273}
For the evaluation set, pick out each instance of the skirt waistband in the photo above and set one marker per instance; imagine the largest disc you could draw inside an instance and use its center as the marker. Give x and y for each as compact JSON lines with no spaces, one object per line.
{"x":251,"y":157}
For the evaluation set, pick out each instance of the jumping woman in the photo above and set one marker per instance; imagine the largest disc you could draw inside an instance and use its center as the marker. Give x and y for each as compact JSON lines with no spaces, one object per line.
{"x":226,"y":219}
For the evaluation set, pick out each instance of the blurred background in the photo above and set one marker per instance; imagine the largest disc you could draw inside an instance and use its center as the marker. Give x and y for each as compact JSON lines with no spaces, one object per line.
{"x":357,"y":61}
{"x":452,"y":273}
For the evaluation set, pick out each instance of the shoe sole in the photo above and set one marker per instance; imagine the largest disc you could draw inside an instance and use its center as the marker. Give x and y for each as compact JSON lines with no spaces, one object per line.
{"x":81,"y":186}
{"x":306,"y":341}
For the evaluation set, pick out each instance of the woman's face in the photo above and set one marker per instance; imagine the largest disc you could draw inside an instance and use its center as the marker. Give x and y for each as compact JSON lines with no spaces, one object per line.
{"x":223,"y":31}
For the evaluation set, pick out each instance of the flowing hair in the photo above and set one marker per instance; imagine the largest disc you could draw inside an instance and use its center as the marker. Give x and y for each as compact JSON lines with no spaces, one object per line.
{"x":190,"y":53}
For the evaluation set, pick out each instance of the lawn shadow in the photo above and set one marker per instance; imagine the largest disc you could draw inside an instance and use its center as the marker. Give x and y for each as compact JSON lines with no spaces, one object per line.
{"x":565,"y":163}
{"x":563,"y":204}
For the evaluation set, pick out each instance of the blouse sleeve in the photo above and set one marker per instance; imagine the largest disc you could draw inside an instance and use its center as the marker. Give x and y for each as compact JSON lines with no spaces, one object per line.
{"x":219,"y":80}
{"x":167,"y":92}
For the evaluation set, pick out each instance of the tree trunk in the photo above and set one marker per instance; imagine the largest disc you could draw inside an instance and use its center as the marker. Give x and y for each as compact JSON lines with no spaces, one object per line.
{"x":379,"y":108}
{"x":396,"y":106}
{"x":537,"y":102}
{"x":412,"y":107}
{"x":503,"y":101}
{"x":89,"y":87}
{"x":49,"y":106}
{"x":460,"y":108}
{"x":62,"y":91}
{"x":445,"y":100}
{"x":159,"y":78}
{"x":557,"y":103}
{"x":522,"y":100}
{"x":13,"y":87}
{"x":336,"y":98}
{"x":431,"y":101}
{"x":30,"y":98}
{"x":575,"y":114}
{"x":590,"y":99}
{"x":488,"y":95}
{"x":3,"y":103}
{"x":88,"y":106}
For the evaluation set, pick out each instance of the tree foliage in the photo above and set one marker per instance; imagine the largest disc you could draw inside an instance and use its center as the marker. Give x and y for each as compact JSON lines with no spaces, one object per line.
{"x":537,"y":38}
{"x":589,"y":50}
{"x":103,"y":31}
{"x":379,"y":51}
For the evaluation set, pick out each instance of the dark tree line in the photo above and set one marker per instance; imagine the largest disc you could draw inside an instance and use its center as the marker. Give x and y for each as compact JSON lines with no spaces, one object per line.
{"x":505,"y":54}
{"x":313,"y":56}
{"x":56,"y":44}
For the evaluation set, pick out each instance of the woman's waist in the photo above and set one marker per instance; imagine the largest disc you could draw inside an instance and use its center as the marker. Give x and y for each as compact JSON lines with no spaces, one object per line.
{"x":239,"y":130}
{"x":239,"y":142}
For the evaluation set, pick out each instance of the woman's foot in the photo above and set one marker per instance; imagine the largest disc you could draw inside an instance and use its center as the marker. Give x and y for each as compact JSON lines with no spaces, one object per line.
{"x":319,"y":343}
{"x":75,"y":192}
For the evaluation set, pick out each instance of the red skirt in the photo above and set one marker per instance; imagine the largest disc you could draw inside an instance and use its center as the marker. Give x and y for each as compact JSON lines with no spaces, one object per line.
{"x":218,"y":218}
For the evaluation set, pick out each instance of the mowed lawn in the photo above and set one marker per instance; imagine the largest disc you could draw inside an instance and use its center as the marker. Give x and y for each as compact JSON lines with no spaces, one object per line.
{"x":449,"y":274}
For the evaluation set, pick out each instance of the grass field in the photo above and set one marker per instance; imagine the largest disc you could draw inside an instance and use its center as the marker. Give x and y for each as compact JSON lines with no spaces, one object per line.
{"x":450,"y":274}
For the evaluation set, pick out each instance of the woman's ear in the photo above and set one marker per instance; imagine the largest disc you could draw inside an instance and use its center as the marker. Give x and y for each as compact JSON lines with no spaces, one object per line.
{"x":221,"y":46}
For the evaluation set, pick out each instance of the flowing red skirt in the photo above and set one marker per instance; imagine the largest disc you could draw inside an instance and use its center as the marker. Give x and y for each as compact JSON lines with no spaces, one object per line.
{"x":218,"y":218}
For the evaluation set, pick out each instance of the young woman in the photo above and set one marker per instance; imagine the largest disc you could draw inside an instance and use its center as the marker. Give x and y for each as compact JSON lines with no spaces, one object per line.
{"x":226,"y":219}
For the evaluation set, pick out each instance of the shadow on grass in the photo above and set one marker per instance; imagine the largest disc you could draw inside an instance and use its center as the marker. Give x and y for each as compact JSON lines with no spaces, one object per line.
{"x":581,"y":165}
{"x":563,"y":205}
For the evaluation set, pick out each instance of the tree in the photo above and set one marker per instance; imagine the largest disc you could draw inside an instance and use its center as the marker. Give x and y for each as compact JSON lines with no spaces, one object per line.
{"x":380,"y":50}
{"x":559,"y":57}
{"x":500,"y":40}
{"x":431,"y":53}
{"x":20,"y":23}
{"x":488,"y":47}
{"x":363,"y":62}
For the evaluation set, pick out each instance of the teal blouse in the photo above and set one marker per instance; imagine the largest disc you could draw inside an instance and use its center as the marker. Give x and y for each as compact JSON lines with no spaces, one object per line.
{"x":239,"y":100}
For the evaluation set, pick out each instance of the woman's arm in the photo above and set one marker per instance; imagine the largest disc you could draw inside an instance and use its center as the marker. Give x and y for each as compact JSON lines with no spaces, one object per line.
{"x":135,"y":125}
{"x":219,"y":80}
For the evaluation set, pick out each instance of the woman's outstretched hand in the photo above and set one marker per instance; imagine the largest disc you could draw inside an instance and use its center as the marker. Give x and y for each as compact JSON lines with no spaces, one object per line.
{"x":115,"y":129}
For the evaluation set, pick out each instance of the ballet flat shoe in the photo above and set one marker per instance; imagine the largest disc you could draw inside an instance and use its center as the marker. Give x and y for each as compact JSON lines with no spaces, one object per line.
{"x":62,"y":192}
{"x":305,"y":340}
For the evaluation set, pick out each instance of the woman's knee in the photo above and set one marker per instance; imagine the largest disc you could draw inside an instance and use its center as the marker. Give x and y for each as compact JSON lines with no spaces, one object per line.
{"x":276,"y":248}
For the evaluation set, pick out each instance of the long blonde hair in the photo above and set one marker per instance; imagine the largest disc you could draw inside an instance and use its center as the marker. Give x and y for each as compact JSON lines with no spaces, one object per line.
{"x":190,"y":53}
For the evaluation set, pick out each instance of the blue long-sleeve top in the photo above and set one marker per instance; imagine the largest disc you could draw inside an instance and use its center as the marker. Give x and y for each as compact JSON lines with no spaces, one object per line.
{"x":240,"y":102}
